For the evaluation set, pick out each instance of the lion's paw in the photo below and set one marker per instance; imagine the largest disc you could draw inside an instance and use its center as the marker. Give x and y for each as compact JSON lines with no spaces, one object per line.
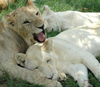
{"x":20,"y":59}
{"x":54,"y":84}
{"x":61,"y":77}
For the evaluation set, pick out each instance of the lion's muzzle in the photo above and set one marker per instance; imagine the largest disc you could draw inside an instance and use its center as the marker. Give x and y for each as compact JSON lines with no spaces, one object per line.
{"x":40,"y":37}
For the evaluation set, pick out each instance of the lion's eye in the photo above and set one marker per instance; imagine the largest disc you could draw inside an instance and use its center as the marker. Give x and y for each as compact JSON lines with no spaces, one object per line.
{"x":36,"y":67}
{"x":37,"y":13}
{"x":48,"y":61}
{"x":12,"y":23}
{"x":26,"y":22}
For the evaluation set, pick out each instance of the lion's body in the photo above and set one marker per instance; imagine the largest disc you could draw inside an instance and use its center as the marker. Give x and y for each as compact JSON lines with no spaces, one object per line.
{"x":68,"y":19}
{"x":70,"y":52}
{"x":17,"y":31}
{"x":87,"y":38}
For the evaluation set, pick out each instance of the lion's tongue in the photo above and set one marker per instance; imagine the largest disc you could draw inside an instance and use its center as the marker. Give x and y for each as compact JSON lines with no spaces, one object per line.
{"x":40,"y":36}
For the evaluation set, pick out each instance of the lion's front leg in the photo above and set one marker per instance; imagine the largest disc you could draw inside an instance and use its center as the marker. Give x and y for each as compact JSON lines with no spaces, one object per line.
{"x":30,"y":76}
{"x":92,"y":63}
{"x":79,"y":73}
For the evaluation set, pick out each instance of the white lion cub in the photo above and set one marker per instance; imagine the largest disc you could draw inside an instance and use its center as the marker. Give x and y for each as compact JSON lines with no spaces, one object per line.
{"x":68,"y":19}
{"x":70,"y":52}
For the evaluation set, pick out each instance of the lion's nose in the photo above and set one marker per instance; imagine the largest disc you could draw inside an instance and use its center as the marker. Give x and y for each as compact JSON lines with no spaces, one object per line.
{"x":42,"y":27}
{"x":50,"y":77}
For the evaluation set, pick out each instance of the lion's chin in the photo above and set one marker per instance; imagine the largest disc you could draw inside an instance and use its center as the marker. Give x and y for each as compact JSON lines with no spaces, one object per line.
{"x":40,"y":37}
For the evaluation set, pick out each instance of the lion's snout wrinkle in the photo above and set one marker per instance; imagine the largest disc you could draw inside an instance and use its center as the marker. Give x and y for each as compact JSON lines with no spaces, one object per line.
{"x":41,"y":27}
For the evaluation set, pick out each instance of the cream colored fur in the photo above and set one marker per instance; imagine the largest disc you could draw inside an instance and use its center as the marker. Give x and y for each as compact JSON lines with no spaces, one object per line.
{"x":68,"y":20}
{"x":17,"y":30}
{"x":70,"y":52}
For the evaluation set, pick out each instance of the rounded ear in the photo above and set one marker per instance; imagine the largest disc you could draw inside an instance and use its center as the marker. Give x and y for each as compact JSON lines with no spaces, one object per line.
{"x":47,"y":45}
{"x":46,"y":10}
{"x":46,"y":7}
{"x":20,"y":59}
{"x":9,"y":20}
{"x":30,"y":3}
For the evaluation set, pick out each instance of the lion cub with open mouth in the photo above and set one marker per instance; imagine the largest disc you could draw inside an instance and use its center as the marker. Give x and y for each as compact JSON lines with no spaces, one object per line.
{"x":70,"y":52}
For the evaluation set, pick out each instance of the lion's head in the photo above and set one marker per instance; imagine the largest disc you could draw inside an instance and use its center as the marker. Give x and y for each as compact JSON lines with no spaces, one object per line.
{"x":39,"y":57}
{"x":47,"y":11}
{"x":27,"y":22}
{"x":51,"y":18}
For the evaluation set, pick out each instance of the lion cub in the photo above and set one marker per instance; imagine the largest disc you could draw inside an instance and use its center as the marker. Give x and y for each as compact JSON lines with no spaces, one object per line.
{"x":68,"y":19}
{"x":18,"y":30}
{"x":70,"y":52}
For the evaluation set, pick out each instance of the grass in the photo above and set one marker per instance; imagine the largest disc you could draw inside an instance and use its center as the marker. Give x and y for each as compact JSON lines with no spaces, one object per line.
{"x":56,"y":5}
{"x":7,"y":81}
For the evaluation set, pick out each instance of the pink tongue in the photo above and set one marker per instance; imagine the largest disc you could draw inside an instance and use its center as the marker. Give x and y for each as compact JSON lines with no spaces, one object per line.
{"x":40,"y":36}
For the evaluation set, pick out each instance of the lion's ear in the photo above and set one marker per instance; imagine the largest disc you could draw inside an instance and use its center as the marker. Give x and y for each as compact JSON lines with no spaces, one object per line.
{"x":29,"y":3}
{"x":46,"y":10}
{"x":46,"y":7}
{"x":20,"y":59}
{"x":47,"y":45}
{"x":8,"y":20}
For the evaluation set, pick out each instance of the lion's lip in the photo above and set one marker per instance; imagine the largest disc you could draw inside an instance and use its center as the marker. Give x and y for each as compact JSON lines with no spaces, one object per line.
{"x":40,"y":37}
{"x":50,"y":77}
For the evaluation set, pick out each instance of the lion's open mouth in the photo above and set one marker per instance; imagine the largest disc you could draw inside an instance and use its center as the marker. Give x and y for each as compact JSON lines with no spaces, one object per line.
{"x":40,"y":37}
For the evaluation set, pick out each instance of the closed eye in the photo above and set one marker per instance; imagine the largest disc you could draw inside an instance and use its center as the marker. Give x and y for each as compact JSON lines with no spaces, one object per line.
{"x":48,"y":61}
{"x":36,"y":67}
{"x":37,"y":13}
{"x":26,"y":22}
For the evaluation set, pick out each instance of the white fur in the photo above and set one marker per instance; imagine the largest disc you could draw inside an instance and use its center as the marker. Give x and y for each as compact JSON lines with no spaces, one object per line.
{"x":70,"y":52}
{"x":68,"y":19}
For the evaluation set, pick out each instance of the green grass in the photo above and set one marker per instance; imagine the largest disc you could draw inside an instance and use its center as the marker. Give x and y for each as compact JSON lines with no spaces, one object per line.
{"x":56,"y":5}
